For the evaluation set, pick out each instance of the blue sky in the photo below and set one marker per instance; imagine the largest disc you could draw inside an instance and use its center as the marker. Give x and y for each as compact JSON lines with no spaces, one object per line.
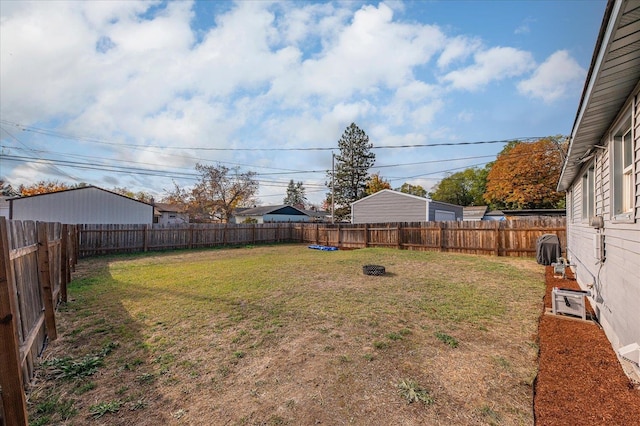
{"x":134,"y":93}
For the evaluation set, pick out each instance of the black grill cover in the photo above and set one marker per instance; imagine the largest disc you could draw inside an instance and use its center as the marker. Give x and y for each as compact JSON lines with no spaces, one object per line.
{"x":548,"y":249}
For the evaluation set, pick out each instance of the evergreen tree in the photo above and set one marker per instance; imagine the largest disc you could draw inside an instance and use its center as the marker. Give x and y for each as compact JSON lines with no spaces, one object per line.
{"x":296,"y":195}
{"x":351,"y":171}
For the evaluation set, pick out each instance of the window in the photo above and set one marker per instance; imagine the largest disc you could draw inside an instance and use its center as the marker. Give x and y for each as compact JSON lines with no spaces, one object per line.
{"x":588,"y":194}
{"x":623,"y":178}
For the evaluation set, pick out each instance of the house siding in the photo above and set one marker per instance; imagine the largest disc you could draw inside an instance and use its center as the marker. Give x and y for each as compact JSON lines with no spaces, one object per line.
{"x":636,"y":127}
{"x":285,"y":218}
{"x":615,"y":283}
{"x":89,"y":205}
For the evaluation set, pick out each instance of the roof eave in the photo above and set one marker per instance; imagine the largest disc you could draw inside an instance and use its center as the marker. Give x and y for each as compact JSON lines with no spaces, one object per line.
{"x":567,"y":175}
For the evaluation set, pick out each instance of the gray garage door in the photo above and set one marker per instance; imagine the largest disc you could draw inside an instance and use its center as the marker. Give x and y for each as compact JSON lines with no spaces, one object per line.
{"x":442,"y":215}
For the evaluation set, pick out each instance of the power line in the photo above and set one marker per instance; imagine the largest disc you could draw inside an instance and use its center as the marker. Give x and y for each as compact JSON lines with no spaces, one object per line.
{"x":100,"y":141}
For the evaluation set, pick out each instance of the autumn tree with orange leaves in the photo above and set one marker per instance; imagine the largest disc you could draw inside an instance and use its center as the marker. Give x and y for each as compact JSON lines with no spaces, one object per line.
{"x":43,"y":187}
{"x":376,"y":183}
{"x":525,"y":175}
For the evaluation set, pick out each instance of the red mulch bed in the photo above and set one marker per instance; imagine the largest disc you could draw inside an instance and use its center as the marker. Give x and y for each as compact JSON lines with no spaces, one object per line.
{"x":580,"y":380}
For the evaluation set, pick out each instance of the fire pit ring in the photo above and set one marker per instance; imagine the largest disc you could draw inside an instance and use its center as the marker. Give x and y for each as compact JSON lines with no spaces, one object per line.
{"x":375,"y":270}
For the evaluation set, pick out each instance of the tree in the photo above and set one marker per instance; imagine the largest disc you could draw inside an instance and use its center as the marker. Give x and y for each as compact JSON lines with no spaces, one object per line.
{"x":465,"y":188}
{"x":43,"y":187}
{"x":525,"y":175}
{"x":417,"y":190}
{"x":145,"y":197}
{"x":177,"y":196}
{"x":352,"y":166}
{"x":296,"y":195}
{"x":220,"y":190}
{"x":6,"y":190}
{"x":375,"y":183}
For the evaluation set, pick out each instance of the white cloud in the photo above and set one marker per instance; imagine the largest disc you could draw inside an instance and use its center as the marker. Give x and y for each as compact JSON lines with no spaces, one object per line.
{"x":490,"y":65}
{"x":259,"y":74}
{"x":525,"y":26}
{"x":554,"y":78}
{"x":457,"y":49}
{"x":371,"y":53}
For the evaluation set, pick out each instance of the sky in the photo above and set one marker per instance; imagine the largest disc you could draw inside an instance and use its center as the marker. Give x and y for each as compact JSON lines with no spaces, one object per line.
{"x":135,"y":93}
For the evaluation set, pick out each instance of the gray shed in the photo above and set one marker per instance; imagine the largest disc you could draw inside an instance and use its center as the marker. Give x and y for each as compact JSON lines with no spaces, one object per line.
{"x":86,"y":205}
{"x":393,"y":206}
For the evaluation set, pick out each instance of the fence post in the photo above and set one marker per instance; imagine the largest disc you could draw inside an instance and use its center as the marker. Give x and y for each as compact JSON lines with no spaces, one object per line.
{"x":366,"y":235}
{"x":317,"y":233}
{"x":338,"y":244}
{"x":145,"y":238}
{"x":224,"y":235}
{"x":399,"y":235}
{"x":64,"y":263}
{"x":45,"y":281}
{"x":190,"y":237}
{"x":76,"y":246}
{"x":13,"y":398}
{"x":441,"y":236}
{"x":497,"y":238}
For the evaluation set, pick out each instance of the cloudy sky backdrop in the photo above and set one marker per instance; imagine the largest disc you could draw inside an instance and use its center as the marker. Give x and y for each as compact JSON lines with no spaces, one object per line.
{"x":134,"y":93}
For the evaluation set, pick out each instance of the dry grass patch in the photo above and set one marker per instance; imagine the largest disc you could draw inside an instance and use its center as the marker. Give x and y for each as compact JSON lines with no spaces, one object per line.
{"x":288,"y":335}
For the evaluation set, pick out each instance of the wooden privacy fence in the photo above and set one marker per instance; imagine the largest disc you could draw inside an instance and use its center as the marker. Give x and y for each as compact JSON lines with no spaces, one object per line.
{"x":499,"y":238}
{"x":503,"y":238}
{"x":109,"y":239}
{"x":35,"y":267}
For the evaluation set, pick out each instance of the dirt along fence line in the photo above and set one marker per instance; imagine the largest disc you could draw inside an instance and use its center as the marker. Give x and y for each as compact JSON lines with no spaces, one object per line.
{"x":498,"y":238}
{"x":35,"y":266}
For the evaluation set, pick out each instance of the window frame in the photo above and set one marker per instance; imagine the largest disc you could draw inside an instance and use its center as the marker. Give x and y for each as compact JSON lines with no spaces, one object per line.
{"x":622,"y":175}
{"x":589,"y":193}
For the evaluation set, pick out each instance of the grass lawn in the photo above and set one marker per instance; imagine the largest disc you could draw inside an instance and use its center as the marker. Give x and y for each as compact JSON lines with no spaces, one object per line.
{"x":285,"y":335}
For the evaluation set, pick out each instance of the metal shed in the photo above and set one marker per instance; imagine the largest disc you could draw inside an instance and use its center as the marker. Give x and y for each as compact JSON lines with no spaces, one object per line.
{"x":86,"y":205}
{"x":393,"y":206}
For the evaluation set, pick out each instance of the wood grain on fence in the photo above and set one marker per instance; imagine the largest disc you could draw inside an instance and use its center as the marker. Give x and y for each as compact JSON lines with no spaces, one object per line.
{"x":505,"y":238}
{"x":33,"y":278}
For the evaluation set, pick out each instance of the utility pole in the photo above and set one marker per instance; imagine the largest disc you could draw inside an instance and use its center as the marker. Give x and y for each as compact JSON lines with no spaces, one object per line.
{"x":333,"y":186}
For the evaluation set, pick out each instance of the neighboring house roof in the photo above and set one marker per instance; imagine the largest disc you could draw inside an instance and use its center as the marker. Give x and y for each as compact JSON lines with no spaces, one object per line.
{"x":317,"y":213}
{"x":612,"y":77}
{"x":535,"y":212}
{"x":170,"y":208}
{"x":264,"y":210}
{"x":495,"y":213}
{"x":474,"y":212}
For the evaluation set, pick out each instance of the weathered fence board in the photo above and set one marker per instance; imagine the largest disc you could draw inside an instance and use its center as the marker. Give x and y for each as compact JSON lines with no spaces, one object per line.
{"x":34,"y":271}
{"x":505,"y":238}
